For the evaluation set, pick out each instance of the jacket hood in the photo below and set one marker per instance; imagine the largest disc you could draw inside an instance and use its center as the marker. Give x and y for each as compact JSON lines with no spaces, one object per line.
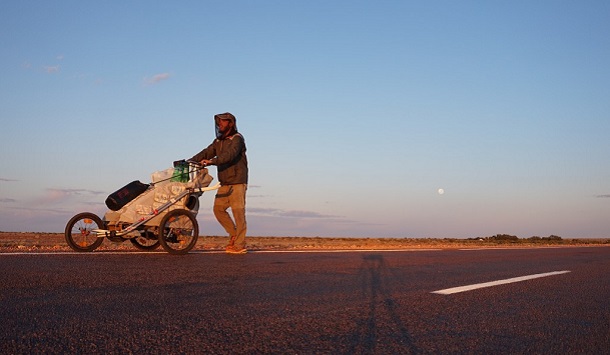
{"x":225,"y":116}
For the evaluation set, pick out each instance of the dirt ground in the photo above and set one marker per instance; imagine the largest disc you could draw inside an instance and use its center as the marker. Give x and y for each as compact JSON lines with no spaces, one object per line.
{"x":29,"y":241}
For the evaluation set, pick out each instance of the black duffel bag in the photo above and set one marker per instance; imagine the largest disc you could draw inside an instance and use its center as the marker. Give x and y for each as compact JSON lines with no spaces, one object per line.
{"x":125,"y":194}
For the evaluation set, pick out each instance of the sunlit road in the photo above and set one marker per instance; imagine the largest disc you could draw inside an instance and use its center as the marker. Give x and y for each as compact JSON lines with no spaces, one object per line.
{"x":328,"y":303}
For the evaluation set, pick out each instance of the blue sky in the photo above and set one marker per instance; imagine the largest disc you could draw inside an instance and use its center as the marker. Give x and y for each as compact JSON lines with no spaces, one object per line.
{"x":355,"y":113}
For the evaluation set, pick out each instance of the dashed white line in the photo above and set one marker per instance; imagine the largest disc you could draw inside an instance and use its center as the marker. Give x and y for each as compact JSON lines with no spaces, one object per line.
{"x":452,"y":290}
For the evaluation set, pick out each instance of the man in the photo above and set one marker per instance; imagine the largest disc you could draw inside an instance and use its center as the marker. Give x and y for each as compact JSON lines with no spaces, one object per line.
{"x":228,"y":153}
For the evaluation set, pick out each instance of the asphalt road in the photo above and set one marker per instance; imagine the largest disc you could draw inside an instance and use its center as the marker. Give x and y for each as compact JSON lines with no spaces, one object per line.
{"x":304,"y":303}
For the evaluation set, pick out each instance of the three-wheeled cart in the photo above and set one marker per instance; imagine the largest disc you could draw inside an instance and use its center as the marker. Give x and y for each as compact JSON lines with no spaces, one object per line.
{"x":162,"y":213}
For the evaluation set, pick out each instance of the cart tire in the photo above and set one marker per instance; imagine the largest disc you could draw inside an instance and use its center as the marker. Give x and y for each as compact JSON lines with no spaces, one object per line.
{"x":148,"y":241}
{"x":79,"y":232}
{"x":178,"y":232}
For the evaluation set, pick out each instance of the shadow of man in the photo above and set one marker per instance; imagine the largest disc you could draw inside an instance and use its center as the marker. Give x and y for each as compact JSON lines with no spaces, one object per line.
{"x":365,"y":339}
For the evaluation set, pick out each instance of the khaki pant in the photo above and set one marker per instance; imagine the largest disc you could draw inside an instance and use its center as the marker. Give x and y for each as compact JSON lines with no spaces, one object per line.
{"x":234,"y":197}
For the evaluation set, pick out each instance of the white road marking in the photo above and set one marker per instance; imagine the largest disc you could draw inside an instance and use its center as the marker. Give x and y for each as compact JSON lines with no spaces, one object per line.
{"x":514,"y":248}
{"x":340,"y":250}
{"x":121,"y":252}
{"x":449,"y":291}
{"x":83,"y":253}
{"x":129,"y":252}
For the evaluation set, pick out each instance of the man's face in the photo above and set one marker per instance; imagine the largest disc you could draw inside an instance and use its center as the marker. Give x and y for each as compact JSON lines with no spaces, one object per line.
{"x":223,"y":125}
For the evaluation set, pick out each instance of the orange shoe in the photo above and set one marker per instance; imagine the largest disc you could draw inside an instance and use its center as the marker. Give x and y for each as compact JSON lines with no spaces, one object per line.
{"x":234,"y":250}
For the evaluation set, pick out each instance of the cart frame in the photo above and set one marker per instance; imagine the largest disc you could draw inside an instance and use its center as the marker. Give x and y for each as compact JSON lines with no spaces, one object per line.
{"x":177,"y":231}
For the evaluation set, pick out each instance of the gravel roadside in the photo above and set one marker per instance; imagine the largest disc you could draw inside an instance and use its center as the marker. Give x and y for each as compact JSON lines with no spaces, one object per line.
{"x":30,"y":241}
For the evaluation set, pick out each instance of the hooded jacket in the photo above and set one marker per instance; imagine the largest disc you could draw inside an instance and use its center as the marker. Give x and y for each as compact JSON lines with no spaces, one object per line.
{"x":228,"y":153}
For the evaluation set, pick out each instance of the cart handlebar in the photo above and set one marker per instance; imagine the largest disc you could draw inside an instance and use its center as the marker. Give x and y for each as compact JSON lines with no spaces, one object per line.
{"x":209,"y":188}
{"x":192,"y":163}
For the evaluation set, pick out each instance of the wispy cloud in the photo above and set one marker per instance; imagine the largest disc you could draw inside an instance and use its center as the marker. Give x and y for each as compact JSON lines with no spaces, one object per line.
{"x":5,"y":179}
{"x":7,"y":200}
{"x":51,"y":68}
{"x":34,"y":210}
{"x":290,"y":213}
{"x":156,"y":78}
{"x":77,"y":191}
{"x":603,"y":196}
{"x":58,"y":195}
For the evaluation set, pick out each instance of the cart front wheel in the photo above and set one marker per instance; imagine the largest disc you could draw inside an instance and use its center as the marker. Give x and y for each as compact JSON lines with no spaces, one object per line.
{"x":178,"y":232}
{"x":80,"y":234}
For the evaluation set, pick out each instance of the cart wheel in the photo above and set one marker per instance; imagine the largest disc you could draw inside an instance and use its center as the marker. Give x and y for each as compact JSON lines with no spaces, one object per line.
{"x":178,"y":232}
{"x":79,"y":232}
{"x":146,"y":241}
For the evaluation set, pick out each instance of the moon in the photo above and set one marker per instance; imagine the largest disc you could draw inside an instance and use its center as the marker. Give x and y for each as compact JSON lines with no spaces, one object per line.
{"x":441,"y":191}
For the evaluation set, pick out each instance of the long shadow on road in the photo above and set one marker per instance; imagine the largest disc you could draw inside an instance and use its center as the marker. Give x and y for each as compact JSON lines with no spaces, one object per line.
{"x":382,"y":328}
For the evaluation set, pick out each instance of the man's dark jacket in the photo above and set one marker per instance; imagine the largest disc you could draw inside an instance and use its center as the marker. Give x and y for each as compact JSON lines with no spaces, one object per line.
{"x":229,"y":155}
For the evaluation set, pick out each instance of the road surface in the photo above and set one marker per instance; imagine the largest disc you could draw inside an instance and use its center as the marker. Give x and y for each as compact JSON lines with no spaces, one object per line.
{"x":551,"y":300}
